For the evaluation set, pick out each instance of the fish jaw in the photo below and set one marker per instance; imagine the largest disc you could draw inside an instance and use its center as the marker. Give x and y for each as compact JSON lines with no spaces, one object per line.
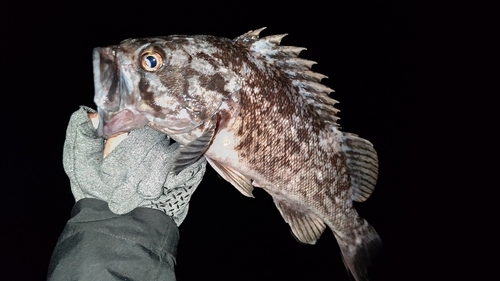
{"x":119,"y":122}
{"x":106,"y":78}
{"x":115,"y":94}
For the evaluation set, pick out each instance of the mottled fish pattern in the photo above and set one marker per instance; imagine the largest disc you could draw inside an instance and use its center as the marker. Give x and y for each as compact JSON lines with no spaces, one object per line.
{"x":259,"y":115}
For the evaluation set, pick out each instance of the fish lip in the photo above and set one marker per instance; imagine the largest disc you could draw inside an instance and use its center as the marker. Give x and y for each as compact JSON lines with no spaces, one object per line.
{"x":119,"y":122}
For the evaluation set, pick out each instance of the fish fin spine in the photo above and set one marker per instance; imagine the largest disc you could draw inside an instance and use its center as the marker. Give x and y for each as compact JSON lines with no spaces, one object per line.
{"x":193,"y":151}
{"x":296,"y":70}
{"x":305,"y":226}
{"x":362,"y":161}
{"x":238,"y":180}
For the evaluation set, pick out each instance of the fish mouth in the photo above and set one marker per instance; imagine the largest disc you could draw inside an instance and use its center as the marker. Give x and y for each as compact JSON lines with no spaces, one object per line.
{"x":119,"y":122}
{"x":107,"y":76}
{"x":113,"y":91}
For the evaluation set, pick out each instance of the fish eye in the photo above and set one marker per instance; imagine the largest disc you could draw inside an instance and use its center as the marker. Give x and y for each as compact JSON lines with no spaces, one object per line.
{"x":151,"y":60}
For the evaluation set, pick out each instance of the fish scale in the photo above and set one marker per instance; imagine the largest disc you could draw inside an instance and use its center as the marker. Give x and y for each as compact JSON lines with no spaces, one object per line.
{"x":259,"y":115}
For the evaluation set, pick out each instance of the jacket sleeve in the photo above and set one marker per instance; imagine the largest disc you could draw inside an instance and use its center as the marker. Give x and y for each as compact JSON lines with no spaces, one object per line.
{"x":97,"y":244}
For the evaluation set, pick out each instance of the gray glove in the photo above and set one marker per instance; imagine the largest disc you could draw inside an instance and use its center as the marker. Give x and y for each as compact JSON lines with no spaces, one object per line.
{"x":134,"y":174}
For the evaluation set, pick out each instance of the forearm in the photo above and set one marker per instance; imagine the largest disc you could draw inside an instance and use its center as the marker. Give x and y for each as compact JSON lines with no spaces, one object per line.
{"x":97,"y":244}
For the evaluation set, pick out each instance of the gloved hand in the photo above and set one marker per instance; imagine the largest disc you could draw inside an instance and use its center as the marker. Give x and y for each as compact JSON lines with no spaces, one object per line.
{"x":135,"y":174}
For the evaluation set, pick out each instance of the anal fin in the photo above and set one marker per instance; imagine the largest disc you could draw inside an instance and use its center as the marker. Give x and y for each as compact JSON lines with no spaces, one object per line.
{"x":305,"y":225}
{"x":242,"y":183}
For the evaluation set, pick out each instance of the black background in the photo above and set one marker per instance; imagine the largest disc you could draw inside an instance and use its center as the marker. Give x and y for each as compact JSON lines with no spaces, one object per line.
{"x":381,"y":57}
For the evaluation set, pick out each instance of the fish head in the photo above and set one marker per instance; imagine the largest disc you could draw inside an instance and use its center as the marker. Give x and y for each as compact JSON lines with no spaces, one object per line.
{"x":171,"y":83}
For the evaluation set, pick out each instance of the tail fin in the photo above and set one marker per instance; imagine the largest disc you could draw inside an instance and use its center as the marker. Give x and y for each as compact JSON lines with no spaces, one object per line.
{"x":358,"y":250}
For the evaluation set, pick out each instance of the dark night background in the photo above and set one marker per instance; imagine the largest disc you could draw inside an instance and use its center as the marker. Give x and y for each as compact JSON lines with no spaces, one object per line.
{"x":380,"y":59}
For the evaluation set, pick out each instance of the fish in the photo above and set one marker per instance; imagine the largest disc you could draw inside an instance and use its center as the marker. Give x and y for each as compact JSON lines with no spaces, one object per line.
{"x":259,"y":115}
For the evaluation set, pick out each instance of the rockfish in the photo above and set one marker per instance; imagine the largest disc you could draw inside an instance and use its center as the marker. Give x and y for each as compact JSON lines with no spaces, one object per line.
{"x":261,"y":118}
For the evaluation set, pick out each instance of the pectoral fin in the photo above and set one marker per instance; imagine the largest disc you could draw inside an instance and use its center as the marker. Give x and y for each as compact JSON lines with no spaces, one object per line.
{"x":242,"y":183}
{"x":191,"y":152}
{"x":305,"y":225}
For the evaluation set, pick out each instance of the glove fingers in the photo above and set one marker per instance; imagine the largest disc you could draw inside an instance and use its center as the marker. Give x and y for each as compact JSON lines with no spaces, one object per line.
{"x":147,"y":166}
{"x":79,"y":130}
{"x":131,"y":152}
{"x":156,"y":165}
{"x":82,"y":155}
{"x":88,"y":158}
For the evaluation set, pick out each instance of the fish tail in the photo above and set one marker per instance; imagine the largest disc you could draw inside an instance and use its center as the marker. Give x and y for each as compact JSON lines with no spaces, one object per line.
{"x":358,"y":249}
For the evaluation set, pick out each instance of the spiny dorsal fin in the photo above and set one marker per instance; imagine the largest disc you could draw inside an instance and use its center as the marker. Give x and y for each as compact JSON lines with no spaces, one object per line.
{"x":305,"y":75}
{"x":275,"y":39}
{"x":296,"y":63}
{"x":306,"y":226}
{"x":291,"y":50}
{"x":313,"y":86}
{"x":363,"y":165}
{"x":242,"y":183}
{"x":295,"y":69}
{"x":251,"y":35}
